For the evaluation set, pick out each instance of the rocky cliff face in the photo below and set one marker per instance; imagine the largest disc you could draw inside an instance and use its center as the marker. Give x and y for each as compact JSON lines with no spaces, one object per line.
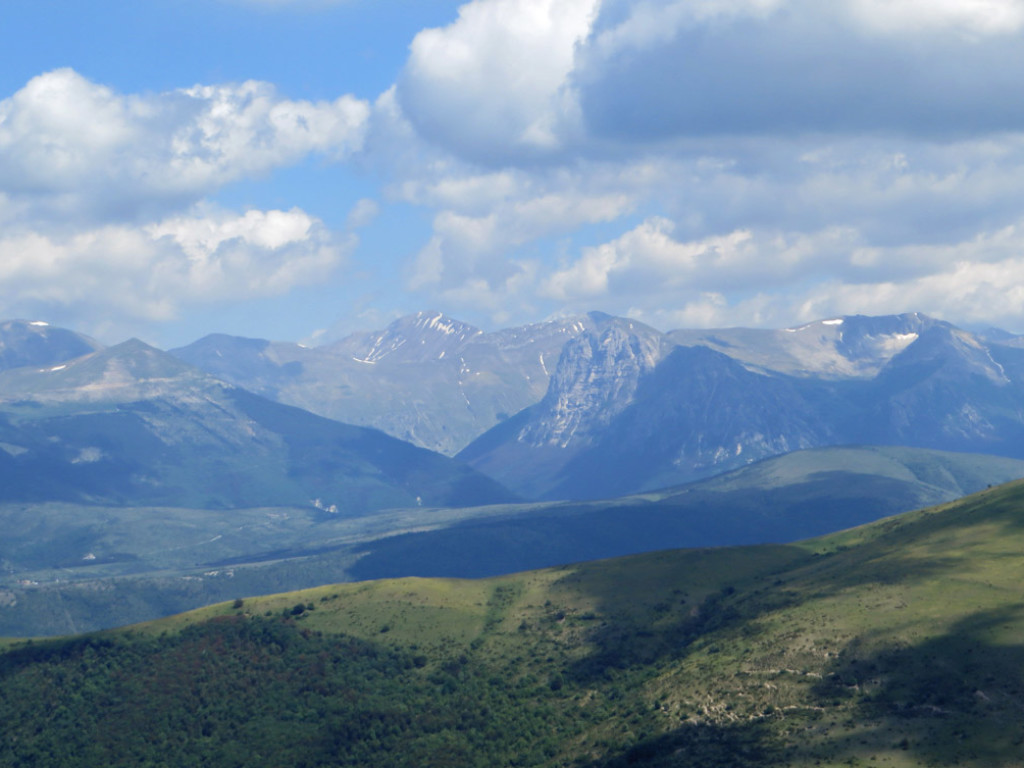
{"x":627,"y":412}
{"x":426,"y":378}
{"x":596,"y":379}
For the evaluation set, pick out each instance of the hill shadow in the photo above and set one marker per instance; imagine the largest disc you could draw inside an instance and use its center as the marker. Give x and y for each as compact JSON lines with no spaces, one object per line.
{"x":953,"y":699}
{"x":682,"y":597}
{"x":746,"y":745}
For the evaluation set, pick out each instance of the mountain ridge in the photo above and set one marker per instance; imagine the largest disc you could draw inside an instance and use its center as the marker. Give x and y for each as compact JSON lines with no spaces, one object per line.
{"x":131,"y":424}
{"x":925,"y":383}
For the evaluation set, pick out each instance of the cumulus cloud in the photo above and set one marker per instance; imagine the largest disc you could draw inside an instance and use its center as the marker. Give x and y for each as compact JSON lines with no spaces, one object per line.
{"x":74,"y":147}
{"x":982,"y":18}
{"x":658,"y":70}
{"x":769,"y":279}
{"x":751,"y":160}
{"x":648,"y":263}
{"x":980,"y":280}
{"x":513,"y":80}
{"x":469,"y":250}
{"x":688,"y":162}
{"x":151,"y":272}
{"x":492,"y":85}
{"x":104,"y":197}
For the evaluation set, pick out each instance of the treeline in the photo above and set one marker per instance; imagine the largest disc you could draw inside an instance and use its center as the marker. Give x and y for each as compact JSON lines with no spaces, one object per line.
{"x":264,"y":692}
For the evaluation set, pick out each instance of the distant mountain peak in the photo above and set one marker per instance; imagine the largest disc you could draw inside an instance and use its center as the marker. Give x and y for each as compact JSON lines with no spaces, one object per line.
{"x":414,"y":338}
{"x":37,"y":343}
{"x":952,"y":352}
{"x":131,"y":370}
{"x":596,"y":378}
{"x":438,"y":322}
{"x":839,"y":347}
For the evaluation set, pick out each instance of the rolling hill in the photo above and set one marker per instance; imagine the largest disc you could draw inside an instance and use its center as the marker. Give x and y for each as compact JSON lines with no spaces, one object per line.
{"x":778,"y":500}
{"x":897,"y":643}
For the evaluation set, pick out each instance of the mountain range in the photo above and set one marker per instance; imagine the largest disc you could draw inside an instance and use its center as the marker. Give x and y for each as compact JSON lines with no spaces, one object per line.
{"x":132,"y":425}
{"x":677,"y":413}
{"x":426,"y":378}
{"x":597,"y":406}
{"x":132,"y":469}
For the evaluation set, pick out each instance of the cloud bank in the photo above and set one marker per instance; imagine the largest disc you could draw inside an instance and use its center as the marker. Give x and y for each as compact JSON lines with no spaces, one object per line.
{"x":766,"y":158}
{"x":102,"y":195}
{"x":685,"y":162}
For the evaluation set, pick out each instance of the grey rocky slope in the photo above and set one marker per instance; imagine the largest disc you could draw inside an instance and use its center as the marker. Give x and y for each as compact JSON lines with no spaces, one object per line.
{"x":426,"y":378}
{"x":854,"y":347}
{"x":739,"y":396}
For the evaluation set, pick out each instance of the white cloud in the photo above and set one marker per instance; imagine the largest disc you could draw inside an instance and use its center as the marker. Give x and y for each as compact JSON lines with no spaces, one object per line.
{"x":649,"y":262}
{"x":662,"y":70}
{"x":977,"y":17}
{"x":152,"y":272}
{"x":732,"y":161}
{"x":103,"y":197}
{"x":980,"y":280}
{"x":362,"y":214}
{"x":491,"y":85}
{"x":74,"y":147}
{"x":466,"y":249}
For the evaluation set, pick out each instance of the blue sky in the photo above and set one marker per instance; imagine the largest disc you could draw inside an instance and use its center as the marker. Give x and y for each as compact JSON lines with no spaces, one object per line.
{"x":297,"y":169}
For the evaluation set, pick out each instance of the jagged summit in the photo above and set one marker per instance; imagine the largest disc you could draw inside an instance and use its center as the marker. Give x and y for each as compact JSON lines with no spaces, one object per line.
{"x":630,"y":410}
{"x":411,"y":339}
{"x":848,"y":347}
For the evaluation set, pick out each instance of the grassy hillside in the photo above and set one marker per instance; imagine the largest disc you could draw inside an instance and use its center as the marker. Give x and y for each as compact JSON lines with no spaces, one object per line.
{"x":900,"y":643}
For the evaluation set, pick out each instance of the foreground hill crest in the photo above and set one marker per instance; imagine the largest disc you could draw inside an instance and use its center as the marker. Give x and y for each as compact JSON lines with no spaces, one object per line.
{"x":897,"y":643}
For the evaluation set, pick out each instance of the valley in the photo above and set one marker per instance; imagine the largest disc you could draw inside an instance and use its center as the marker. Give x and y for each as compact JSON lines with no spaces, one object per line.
{"x":136,"y":485}
{"x":896,"y":643}
{"x":512,"y":384}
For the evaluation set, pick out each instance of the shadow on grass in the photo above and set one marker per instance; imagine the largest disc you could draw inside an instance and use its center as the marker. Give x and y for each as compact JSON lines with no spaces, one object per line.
{"x":748,"y":745}
{"x":660,"y":606}
{"x":572,"y":533}
{"x":953,"y":698}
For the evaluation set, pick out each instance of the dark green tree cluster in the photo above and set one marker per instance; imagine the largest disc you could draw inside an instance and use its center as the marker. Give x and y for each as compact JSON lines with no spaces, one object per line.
{"x":261,"y":692}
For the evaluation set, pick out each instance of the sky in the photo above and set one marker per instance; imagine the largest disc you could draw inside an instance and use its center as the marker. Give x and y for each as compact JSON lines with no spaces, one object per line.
{"x":301,"y":169}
